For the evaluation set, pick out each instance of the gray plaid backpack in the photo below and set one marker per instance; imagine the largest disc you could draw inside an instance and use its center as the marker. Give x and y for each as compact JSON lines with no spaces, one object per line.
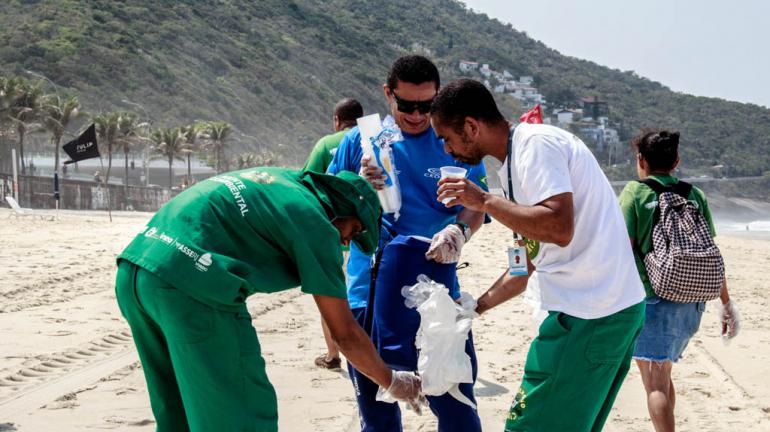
{"x":685,"y":265}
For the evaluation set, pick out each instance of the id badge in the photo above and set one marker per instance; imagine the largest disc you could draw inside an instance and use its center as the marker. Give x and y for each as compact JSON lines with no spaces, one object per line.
{"x":517,"y":261}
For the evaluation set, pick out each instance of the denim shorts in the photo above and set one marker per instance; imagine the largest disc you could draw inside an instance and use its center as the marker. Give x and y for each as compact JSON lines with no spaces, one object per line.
{"x":668,"y":327}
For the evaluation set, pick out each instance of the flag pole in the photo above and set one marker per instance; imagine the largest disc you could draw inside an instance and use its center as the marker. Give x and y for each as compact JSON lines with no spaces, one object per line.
{"x":106,"y":187}
{"x":56,"y":190}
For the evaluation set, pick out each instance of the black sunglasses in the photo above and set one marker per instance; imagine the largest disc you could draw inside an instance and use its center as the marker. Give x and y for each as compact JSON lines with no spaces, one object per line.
{"x":406,"y":106}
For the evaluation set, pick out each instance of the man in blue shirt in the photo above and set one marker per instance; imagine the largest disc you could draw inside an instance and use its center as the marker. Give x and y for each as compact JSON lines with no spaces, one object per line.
{"x":413,"y":82}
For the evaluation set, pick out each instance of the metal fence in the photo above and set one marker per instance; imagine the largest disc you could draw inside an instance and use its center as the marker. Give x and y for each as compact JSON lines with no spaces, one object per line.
{"x":37,"y":192}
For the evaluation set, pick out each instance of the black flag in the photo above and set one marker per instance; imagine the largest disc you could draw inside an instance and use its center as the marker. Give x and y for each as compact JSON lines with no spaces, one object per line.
{"x":82,"y":147}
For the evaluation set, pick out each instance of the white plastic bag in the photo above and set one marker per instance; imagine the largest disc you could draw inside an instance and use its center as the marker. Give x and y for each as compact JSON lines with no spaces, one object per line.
{"x":444,"y":326}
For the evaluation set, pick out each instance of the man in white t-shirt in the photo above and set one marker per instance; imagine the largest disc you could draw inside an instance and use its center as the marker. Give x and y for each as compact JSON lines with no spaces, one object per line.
{"x":576,"y":250}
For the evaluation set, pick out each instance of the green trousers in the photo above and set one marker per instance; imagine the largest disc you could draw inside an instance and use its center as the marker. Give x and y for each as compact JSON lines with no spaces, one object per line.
{"x":574,"y":370}
{"x":203,"y":366}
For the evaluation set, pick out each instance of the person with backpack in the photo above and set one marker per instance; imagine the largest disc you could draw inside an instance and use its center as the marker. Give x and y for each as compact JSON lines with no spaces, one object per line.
{"x":671,"y":232}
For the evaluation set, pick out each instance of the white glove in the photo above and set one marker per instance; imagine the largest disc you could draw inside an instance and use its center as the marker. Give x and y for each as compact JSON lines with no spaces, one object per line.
{"x":372,"y":173}
{"x":466,"y":306}
{"x":446,"y":244}
{"x":404,"y":386}
{"x":730,"y":319}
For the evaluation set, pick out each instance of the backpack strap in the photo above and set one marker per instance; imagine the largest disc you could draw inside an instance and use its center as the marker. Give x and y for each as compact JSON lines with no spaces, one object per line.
{"x":680,"y":188}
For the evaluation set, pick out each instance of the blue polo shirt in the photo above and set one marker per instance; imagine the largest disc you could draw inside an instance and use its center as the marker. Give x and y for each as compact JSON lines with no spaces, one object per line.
{"x":417,"y":159}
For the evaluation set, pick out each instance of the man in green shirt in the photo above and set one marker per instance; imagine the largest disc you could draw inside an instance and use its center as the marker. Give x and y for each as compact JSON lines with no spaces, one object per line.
{"x":182,"y":285}
{"x":345,"y":114}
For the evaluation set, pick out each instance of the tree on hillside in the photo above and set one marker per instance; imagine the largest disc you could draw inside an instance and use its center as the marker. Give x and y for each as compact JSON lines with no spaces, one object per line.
{"x":56,"y":115}
{"x":248,"y":160}
{"x":171,"y":144}
{"x":23,"y":110}
{"x":191,"y":134}
{"x":5,"y":103}
{"x":216,"y":134}
{"x":117,"y":128}
{"x":107,"y":129}
{"x":129,"y":133}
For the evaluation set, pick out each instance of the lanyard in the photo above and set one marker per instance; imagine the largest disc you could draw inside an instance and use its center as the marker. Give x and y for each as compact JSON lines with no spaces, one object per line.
{"x":516,"y":236}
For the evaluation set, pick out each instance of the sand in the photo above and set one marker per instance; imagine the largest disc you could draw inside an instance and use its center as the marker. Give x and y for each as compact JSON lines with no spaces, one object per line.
{"x":67,"y":362}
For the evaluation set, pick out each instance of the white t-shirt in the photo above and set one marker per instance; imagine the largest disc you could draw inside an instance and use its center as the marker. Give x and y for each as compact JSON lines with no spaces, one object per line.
{"x":595,"y":274}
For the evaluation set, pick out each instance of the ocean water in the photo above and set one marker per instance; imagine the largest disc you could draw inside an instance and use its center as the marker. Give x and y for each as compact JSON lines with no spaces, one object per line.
{"x":758,"y":229}
{"x":757,"y":226}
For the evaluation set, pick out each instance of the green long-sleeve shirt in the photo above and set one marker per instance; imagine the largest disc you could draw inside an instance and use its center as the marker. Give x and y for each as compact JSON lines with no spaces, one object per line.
{"x":256,"y":230}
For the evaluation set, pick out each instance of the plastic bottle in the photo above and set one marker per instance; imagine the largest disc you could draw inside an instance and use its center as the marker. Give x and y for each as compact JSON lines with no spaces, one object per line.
{"x":376,"y":140}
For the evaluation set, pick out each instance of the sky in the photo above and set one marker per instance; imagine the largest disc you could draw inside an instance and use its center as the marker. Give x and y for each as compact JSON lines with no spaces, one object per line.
{"x":705,"y":48}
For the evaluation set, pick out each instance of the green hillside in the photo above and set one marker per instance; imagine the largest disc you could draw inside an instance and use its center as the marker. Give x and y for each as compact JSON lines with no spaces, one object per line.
{"x":274,"y":68}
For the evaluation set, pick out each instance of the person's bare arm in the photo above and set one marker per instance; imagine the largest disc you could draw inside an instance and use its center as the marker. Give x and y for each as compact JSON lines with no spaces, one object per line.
{"x":474,"y":219}
{"x":351,"y":339}
{"x":505,"y":288}
{"x":550,"y":221}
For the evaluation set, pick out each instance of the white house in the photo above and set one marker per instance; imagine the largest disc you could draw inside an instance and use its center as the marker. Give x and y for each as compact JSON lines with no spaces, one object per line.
{"x":564,"y":116}
{"x":526,"y":80}
{"x":485,"y":70}
{"x":468,"y":66}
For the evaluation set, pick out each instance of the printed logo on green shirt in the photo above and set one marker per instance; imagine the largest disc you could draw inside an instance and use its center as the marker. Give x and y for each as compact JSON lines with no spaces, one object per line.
{"x":518,"y":406}
{"x":257,"y":176}
{"x":235,"y":186}
{"x":204,"y":262}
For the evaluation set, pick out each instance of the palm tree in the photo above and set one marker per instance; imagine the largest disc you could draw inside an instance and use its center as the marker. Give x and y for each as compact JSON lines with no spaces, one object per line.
{"x":108,"y":130}
{"x":24,"y":109}
{"x":128,"y":134}
{"x":171,"y":144}
{"x":216,"y":134}
{"x":248,"y":160}
{"x":191,"y":133}
{"x":56,"y":115}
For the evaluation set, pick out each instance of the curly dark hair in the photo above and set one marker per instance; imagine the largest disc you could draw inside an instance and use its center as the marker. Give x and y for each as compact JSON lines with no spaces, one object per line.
{"x":465,"y":98}
{"x":659,"y":147}
{"x":413,"y":69}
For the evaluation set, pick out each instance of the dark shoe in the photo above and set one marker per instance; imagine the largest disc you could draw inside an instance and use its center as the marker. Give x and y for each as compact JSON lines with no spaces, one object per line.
{"x":327,"y":364}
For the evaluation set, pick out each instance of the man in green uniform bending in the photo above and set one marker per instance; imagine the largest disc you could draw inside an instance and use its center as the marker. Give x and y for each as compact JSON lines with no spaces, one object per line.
{"x":182,"y":286}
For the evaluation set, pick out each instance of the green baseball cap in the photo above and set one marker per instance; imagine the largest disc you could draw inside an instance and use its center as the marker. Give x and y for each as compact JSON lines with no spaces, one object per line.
{"x":349,"y":195}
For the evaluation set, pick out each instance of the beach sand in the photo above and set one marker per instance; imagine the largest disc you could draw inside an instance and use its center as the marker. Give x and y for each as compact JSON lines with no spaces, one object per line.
{"x":67,"y":362}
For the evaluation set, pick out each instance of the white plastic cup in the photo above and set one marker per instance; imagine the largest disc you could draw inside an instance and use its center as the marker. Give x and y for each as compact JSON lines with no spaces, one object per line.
{"x":452,"y":172}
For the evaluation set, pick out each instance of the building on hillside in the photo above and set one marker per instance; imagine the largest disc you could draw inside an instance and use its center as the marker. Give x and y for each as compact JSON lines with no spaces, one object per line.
{"x":594,"y":108}
{"x":528,"y":95}
{"x":511,"y":86}
{"x":564,"y":116}
{"x":507,"y":75}
{"x":601,"y":135}
{"x":468,"y":66}
{"x":500,"y":88}
{"x":526,"y":80}
{"x":485,"y":70}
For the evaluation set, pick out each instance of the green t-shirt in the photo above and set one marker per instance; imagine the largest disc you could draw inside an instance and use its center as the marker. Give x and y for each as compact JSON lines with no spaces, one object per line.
{"x":638,"y":203}
{"x":322,"y":154}
{"x":255,"y":230}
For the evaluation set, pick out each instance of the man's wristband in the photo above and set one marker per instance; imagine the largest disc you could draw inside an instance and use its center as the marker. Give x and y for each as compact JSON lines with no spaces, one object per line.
{"x":466,"y":230}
